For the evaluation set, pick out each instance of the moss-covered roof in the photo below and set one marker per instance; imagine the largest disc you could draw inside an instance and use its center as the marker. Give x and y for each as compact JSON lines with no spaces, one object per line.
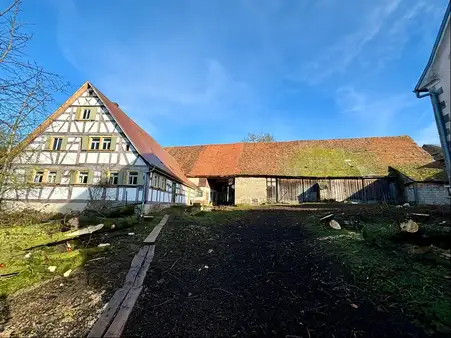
{"x":422,"y":173}
{"x":358,"y":157}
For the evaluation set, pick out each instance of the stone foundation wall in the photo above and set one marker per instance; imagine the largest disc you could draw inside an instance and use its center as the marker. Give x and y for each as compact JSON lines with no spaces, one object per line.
{"x":427,"y":193}
{"x":250,"y":190}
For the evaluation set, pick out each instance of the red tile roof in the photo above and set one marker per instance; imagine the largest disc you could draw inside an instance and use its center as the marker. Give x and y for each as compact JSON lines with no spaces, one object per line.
{"x":358,"y":157}
{"x":145,"y":144}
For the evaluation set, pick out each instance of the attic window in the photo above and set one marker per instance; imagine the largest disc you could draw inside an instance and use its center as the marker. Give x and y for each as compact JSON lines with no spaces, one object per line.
{"x":86,"y":114}
{"x":57,"y":142}
{"x":127,"y":147}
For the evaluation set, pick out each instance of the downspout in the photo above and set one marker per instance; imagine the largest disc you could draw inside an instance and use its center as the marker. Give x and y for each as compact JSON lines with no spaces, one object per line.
{"x":145,"y":190}
{"x":440,"y":125}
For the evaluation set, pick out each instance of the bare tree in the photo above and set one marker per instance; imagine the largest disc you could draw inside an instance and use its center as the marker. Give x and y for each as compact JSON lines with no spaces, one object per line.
{"x":26,"y":91}
{"x":264,"y":137}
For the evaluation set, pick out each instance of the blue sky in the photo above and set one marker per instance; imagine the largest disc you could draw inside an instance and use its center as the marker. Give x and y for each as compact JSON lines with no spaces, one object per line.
{"x":195,"y":72}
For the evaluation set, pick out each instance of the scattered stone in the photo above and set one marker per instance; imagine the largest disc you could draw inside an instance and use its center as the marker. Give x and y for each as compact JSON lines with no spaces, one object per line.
{"x":101,"y":245}
{"x":210,"y":251}
{"x":443,"y":222}
{"x":334,"y":224}
{"x":67,"y":273}
{"x":409,"y":226}
{"x":355,"y":306}
{"x":131,"y":233}
{"x":189,"y":294}
{"x":61,"y":284}
{"x":406,"y":205}
{"x":52,"y":268}
{"x":74,"y":222}
{"x":206,"y":267}
{"x":28,"y":255}
{"x":398,"y":206}
{"x":160,"y":281}
{"x":113,"y":226}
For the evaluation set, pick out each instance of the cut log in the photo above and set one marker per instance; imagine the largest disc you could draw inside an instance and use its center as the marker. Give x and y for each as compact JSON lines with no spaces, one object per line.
{"x":326,"y":218}
{"x":85,"y":231}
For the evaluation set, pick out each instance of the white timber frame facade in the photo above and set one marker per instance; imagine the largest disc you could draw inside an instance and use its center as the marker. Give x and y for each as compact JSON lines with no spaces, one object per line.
{"x":82,"y":156}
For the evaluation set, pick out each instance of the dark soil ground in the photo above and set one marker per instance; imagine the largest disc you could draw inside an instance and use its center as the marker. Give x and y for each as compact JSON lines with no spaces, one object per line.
{"x":251,"y":272}
{"x":256,"y":273}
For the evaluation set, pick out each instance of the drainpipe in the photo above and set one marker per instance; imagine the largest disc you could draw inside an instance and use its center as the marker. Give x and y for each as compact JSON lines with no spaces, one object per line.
{"x":440,"y":125}
{"x":145,"y":191}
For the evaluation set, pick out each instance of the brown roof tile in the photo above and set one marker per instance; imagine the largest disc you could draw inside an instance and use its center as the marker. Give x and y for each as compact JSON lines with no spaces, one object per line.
{"x":358,"y":157}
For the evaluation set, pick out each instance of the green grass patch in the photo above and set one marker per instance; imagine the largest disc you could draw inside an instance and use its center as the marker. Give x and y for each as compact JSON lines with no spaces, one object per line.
{"x":396,"y":279}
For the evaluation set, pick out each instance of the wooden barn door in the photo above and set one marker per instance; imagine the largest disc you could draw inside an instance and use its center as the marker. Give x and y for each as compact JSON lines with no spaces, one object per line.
{"x":271,"y":190}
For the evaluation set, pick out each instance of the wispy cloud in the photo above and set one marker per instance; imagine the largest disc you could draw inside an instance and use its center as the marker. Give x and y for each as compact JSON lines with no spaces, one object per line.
{"x":218,"y":65}
{"x":374,"y":113}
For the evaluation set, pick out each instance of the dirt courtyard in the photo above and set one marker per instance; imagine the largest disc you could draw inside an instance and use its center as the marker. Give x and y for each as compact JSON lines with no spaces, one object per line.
{"x":258,"y":273}
{"x":266,"y":271}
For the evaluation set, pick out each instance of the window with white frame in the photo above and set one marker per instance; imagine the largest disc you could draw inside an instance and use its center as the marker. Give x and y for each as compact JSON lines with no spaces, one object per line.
{"x":86,"y":114}
{"x":57,"y":143}
{"x":82,"y":177}
{"x":95,"y":143}
{"x":132,"y":177}
{"x":155,"y":180}
{"x":113,"y":178}
{"x":38,"y":177}
{"x":200,"y":193}
{"x":162,"y":183}
{"x":51,"y":177}
{"x":177,"y":188}
{"x":106,"y":143}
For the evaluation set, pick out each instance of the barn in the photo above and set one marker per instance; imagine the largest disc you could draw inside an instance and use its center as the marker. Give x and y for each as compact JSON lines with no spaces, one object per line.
{"x":299,"y":171}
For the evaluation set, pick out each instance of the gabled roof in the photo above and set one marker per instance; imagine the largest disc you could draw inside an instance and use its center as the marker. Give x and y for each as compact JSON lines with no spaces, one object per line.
{"x":437,"y":42}
{"x":144,"y":144}
{"x":358,"y":157}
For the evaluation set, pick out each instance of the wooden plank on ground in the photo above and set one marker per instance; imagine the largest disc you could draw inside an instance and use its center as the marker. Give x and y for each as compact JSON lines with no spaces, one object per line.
{"x":156,"y":231}
{"x":101,"y":325}
{"x":117,"y":326}
{"x":142,"y":273}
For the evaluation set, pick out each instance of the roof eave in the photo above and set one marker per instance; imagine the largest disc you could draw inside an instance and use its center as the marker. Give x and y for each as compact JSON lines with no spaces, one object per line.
{"x":445,"y":20}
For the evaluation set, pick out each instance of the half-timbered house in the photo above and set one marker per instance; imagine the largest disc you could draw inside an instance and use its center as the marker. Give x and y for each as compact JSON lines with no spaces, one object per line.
{"x":89,"y":150}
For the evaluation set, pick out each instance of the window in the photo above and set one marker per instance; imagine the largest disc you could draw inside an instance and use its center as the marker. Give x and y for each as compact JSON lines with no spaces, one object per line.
{"x":154,"y":180}
{"x":95,"y":143}
{"x":162,"y":183}
{"x":86,"y":114}
{"x":177,"y":188}
{"x":132,"y":177}
{"x":82,"y":177}
{"x":106,"y":143}
{"x":51,"y":177}
{"x":57,"y":143}
{"x":200,"y":193}
{"x":127,"y":147}
{"x":114,"y":178}
{"x":38,"y":177}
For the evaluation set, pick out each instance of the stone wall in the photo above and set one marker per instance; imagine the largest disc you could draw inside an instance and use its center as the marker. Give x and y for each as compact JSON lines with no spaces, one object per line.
{"x":250,"y":190}
{"x":427,"y":193}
